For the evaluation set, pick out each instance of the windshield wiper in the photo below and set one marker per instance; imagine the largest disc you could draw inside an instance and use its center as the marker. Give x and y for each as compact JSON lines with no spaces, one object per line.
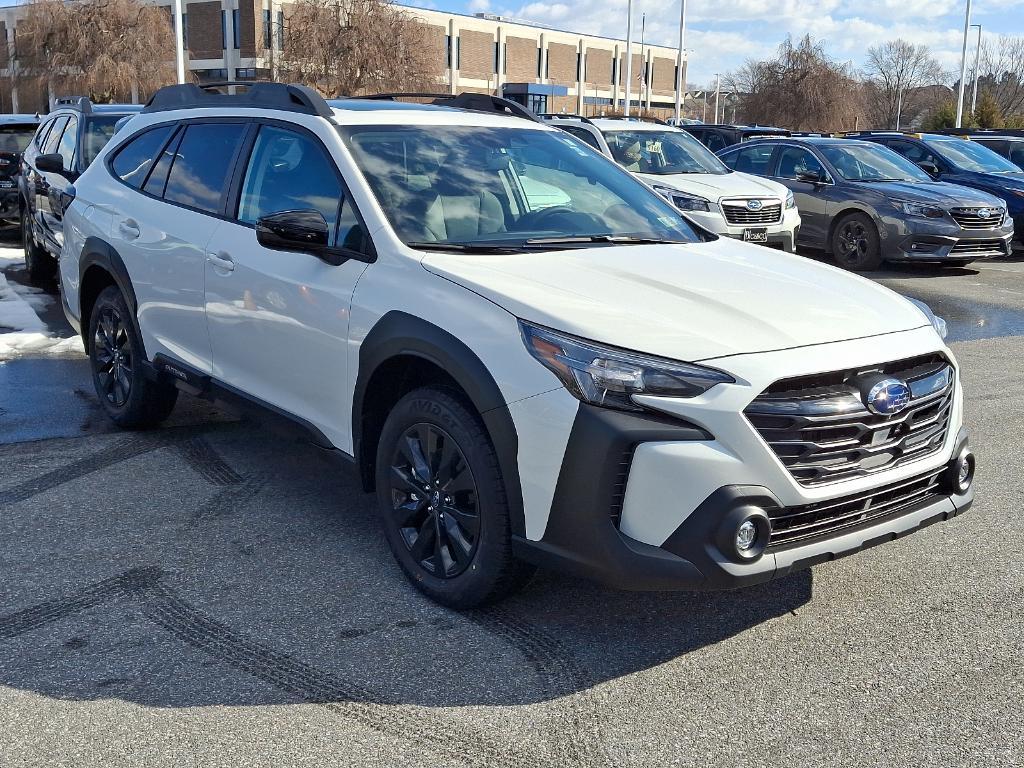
{"x":465,"y":247}
{"x":612,"y":239}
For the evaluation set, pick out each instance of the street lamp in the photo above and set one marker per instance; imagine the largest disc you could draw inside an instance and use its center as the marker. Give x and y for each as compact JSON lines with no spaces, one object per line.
{"x":629,"y":55}
{"x":718,"y":94}
{"x":680,"y":82}
{"x":179,"y":41}
{"x":977,"y":72}
{"x":963,"y":68}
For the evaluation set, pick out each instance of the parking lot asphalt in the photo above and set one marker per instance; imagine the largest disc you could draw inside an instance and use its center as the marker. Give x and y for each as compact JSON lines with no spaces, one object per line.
{"x":211,"y":594}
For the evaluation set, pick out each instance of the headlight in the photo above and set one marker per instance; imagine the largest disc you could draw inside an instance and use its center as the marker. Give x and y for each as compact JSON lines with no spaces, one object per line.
{"x":920,"y":209}
{"x":609,"y":377}
{"x":790,"y":200}
{"x":937,"y":322}
{"x":683,"y":201}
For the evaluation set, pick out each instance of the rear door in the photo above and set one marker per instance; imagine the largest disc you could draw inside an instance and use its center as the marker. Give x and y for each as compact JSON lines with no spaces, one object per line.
{"x":278,"y":320}
{"x":175,"y":181}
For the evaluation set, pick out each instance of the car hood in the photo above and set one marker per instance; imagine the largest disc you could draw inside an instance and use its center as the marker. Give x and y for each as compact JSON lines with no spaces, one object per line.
{"x":934,"y":192}
{"x":716,"y":186}
{"x":686,"y":302}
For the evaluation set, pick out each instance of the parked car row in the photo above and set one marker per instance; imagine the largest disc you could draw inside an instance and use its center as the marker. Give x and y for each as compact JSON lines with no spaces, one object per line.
{"x":527,"y":353}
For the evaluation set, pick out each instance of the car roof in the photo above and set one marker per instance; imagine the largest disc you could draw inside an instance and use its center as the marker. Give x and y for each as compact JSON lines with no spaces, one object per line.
{"x":816,"y":141}
{"x":605,"y":124}
{"x":29,"y":119}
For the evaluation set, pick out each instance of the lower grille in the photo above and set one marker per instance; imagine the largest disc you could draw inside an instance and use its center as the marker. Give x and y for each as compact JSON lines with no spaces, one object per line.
{"x":619,"y":486}
{"x":820,"y":429}
{"x":737,"y":212}
{"x":971,"y":218}
{"x":979,"y":248}
{"x":798,"y":525}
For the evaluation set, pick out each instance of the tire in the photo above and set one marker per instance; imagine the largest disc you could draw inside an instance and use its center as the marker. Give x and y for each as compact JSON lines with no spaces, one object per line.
{"x":855,"y":243}
{"x":129,"y":398}
{"x":443,"y":503}
{"x":40,"y":267}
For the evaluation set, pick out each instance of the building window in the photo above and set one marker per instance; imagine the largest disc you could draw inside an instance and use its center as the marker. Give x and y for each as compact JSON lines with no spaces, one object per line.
{"x":252,"y":73}
{"x":451,"y":43}
{"x":268,"y":35}
{"x":615,"y":69}
{"x":537,"y":102}
{"x":184,"y":30}
{"x":579,"y":67}
{"x":224,"y":30}
{"x":504,"y":58}
{"x":540,"y":62}
{"x":497,"y":57}
{"x":210,"y":75}
{"x":236,"y":27}
{"x":448,"y":51}
{"x":280,"y":30}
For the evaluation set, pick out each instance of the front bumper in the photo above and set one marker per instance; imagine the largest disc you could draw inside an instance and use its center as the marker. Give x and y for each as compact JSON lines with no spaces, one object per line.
{"x":9,"y":207}
{"x":641,"y":499}
{"x":941,"y":240}
{"x":782,"y":234}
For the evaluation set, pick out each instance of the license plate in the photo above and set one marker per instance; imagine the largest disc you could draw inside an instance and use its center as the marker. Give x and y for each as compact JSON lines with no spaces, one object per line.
{"x":6,"y":184}
{"x":755,"y":235}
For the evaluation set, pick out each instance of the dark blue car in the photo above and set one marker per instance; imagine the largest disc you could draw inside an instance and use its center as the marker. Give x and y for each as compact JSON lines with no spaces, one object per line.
{"x":961,"y":161}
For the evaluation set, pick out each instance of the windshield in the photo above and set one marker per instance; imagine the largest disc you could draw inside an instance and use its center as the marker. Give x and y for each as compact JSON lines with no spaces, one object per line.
{"x":971,"y":156}
{"x":16,"y":138}
{"x":505,"y":187}
{"x":662,"y":152}
{"x":98,"y":131}
{"x":861,"y":162}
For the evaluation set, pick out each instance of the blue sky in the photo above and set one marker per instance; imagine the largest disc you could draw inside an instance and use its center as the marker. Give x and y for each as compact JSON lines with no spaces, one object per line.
{"x":753,"y":28}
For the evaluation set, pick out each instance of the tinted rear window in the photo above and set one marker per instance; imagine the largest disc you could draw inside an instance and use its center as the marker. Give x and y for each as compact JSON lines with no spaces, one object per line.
{"x":16,"y":138}
{"x":202,"y":164}
{"x":135,"y":158}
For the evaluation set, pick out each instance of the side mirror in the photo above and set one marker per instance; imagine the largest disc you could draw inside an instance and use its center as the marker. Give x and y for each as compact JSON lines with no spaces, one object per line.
{"x":811,"y":177}
{"x":929,"y":167}
{"x":302,"y":231}
{"x":50,"y":163}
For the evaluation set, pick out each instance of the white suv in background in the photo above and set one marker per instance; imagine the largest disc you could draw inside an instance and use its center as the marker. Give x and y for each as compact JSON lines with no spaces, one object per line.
{"x":689,"y":175}
{"x":592,"y":384}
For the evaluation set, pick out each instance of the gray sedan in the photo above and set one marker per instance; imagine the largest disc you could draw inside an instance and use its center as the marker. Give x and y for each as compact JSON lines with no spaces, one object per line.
{"x":866,"y":204}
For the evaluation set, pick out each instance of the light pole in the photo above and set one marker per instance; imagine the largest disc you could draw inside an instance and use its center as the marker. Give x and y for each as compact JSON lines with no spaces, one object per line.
{"x":899,"y":108}
{"x":718,"y":93}
{"x":977,"y":60}
{"x":179,"y":41}
{"x":629,"y":55}
{"x":963,"y":68}
{"x":680,"y":80}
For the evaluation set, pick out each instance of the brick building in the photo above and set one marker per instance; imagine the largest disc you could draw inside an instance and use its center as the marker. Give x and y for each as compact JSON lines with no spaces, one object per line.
{"x":546,"y":69}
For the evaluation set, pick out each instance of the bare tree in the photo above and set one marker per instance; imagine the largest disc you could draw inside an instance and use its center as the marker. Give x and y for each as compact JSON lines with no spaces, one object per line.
{"x":801,"y":88}
{"x":895,"y":71}
{"x":1002,"y":73}
{"x":106,"y":48}
{"x":348,"y":47}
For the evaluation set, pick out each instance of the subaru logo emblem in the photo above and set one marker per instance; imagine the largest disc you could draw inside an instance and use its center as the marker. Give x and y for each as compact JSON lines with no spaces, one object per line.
{"x":754,"y":205}
{"x":888,"y":397}
{"x":984,"y":213}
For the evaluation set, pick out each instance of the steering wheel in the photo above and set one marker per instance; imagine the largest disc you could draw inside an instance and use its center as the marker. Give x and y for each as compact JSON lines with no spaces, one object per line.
{"x":536,"y":220}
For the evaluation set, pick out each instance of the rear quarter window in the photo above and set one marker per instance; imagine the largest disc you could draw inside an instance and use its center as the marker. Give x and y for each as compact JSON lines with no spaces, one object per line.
{"x":134,"y":160}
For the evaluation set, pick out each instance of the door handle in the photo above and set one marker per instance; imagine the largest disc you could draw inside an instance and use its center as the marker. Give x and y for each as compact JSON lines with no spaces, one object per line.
{"x":221,"y":261}
{"x":129,"y":229}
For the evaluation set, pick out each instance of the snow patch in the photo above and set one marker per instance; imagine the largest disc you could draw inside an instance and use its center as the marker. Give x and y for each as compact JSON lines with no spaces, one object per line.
{"x":21,"y":330}
{"x":11,"y":257}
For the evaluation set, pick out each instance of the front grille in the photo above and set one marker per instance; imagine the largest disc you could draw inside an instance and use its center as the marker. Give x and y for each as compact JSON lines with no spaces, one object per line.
{"x":970,"y":218}
{"x":979,"y":248}
{"x":736,"y":212}
{"x":820,"y":429}
{"x":797,"y":525}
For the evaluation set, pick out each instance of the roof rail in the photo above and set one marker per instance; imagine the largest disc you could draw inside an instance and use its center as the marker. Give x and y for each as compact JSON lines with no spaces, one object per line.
{"x":81,"y":103}
{"x":474,"y":102}
{"x":636,"y":119}
{"x":564,"y":116}
{"x":983,"y":132}
{"x":259,"y":94}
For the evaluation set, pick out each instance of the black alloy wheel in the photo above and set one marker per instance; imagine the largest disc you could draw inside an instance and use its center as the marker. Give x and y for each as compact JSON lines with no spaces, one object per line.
{"x":113,"y":359}
{"x":39,"y":266}
{"x":855,"y":243}
{"x":434,"y":501}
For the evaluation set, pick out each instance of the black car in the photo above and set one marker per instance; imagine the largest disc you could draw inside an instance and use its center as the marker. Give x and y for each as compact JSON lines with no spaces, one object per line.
{"x":960,"y":161}
{"x":718,"y":137}
{"x":63,"y":146}
{"x":1006,"y":142}
{"x":16,"y":132}
{"x":866,"y":204}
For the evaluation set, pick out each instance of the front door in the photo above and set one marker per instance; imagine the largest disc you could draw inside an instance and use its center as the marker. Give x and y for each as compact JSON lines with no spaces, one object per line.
{"x":792,"y":167}
{"x":278,"y":320}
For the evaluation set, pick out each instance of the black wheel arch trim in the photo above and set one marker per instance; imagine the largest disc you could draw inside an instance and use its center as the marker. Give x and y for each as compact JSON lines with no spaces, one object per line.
{"x":398,"y":333}
{"x":98,"y":253}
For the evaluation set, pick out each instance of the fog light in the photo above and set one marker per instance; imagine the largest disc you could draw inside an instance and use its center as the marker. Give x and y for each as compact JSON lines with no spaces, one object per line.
{"x":963,"y":472}
{"x":746,"y":536}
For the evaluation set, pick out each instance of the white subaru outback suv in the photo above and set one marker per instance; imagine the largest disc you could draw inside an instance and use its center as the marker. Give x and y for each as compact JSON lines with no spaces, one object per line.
{"x":692,"y":178}
{"x":593,"y":385}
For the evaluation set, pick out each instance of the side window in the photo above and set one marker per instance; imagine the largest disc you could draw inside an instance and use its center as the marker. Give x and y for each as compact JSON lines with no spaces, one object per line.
{"x":915,"y":153}
{"x":289,"y":171}
{"x":68,"y":143}
{"x":40,"y":137}
{"x":583,"y":135}
{"x":794,"y":161}
{"x":754,"y":158}
{"x":1016,"y":153}
{"x":50,"y":145}
{"x":714,"y":141}
{"x":202,"y":163}
{"x":134,"y":160}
